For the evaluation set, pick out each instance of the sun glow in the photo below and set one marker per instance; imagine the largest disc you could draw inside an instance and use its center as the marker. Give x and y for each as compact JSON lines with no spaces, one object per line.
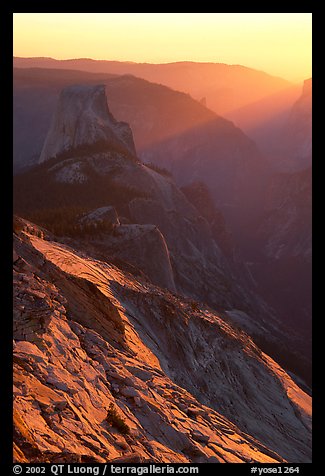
{"x":278,"y":43}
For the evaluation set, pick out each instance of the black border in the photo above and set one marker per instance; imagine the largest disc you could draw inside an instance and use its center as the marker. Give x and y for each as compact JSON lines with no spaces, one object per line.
{"x":6,"y":333}
{"x":6,"y":380}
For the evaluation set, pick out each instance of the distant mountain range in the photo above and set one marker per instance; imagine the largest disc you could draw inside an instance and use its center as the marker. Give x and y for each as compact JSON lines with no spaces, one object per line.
{"x":258,"y":103}
{"x":170,"y":129}
{"x":224,"y":88}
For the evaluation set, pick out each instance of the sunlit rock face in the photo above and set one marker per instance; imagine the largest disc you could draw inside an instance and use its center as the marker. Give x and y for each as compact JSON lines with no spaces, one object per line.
{"x":188,"y":385}
{"x":82,"y":117}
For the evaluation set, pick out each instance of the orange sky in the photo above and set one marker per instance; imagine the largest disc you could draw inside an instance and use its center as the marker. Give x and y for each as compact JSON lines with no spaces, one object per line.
{"x":278,"y":43}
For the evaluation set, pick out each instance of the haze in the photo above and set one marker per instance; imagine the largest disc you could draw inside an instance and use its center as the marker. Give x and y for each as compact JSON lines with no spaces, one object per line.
{"x":277,"y":43}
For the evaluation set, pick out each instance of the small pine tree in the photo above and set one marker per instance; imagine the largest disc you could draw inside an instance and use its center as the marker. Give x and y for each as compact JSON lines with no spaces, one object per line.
{"x":116,"y":421}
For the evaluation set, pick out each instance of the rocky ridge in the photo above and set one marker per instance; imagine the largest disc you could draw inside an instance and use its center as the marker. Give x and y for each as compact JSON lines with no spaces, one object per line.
{"x":188,"y":386}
